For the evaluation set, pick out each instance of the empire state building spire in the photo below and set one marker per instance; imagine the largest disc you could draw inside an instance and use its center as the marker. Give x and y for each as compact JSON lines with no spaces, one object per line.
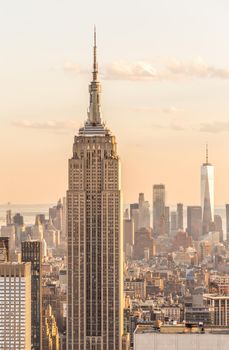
{"x":94,"y":111}
{"x":95,"y":64}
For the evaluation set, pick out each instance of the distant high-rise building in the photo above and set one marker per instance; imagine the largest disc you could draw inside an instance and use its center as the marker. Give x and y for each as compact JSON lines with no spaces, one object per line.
{"x":31,"y":251}
{"x":126,"y":215}
{"x":173,"y":222}
{"x":194,"y":222}
{"x":133,"y":206}
{"x":207,"y":194}
{"x":15,"y":306}
{"x":4,"y":249}
{"x":158,"y":208}
{"x":180,"y":224}
{"x":18,"y":219}
{"x":95,"y":239}
{"x":8,"y":218}
{"x":56,"y":213}
{"x":51,"y":235}
{"x":128,"y":233}
{"x":167,"y":220}
{"x":134,"y":214}
{"x":143,"y":241}
{"x":9,"y":231}
{"x":18,"y":222}
{"x":38,"y":230}
{"x":144,"y":212}
{"x":227,"y":222}
{"x":40,"y":218}
{"x":219,"y":226}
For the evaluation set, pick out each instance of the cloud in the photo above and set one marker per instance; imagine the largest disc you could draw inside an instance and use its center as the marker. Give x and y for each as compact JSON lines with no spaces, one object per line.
{"x":122,"y":70}
{"x":171,"y":126}
{"x":171,"y":70}
{"x":57,"y":126}
{"x":154,"y":70}
{"x":166,"y":110}
{"x":172,"y":109}
{"x":214,"y":127}
{"x":197,"y":68}
{"x":71,"y":67}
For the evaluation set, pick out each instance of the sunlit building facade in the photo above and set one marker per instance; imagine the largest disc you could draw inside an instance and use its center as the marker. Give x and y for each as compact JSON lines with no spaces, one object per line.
{"x":158,"y":208}
{"x":31,"y":251}
{"x":207,"y":194}
{"x":94,"y":228}
{"x":15,"y":306}
{"x":194,"y":222}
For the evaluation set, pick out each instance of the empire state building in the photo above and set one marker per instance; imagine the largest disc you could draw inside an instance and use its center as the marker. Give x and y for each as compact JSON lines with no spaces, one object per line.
{"x":94,"y":227}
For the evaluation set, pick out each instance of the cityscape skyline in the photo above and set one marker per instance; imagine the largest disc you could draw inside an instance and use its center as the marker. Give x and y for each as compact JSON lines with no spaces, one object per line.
{"x":93,"y":271}
{"x":155,"y":89}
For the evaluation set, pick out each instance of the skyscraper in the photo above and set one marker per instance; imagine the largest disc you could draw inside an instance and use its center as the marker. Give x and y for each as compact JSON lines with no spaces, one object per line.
{"x":31,"y":251}
{"x":56,"y":214}
{"x":173,"y":222}
{"x":94,"y":227}
{"x":4,"y":249}
{"x":158,"y":208}
{"x":15,"y":306}
{"x":194,"y":220}
{"x":227,"y":222}
{"x":180,"y":225}
{"x":144,"y":212}
{"x":134,"y":214}
{"x":167,"y":220}
{"x":18,"y":219}
{"x":207,"y":194}
{"x":129,"y":234}
{"x":218,"y":225}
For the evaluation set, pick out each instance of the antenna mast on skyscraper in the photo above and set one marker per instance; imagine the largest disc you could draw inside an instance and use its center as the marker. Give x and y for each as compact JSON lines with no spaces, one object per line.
{"x":95,"y":64}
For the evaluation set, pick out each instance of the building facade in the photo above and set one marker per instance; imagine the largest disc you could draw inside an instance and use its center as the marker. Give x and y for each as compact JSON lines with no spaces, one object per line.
{"x":180,"y":220}
{"x":207,"y":195}
{"x":227,"y":222}
{"x":32,"y":252}
{"x":188,"y":339}
{"x":51,"y":339}
{"x":144,"y":212}
{"x":4,"y":249}
{"x":220,"y":307}
{"x":194,"y":222}
{"x":94,"y":227}
{"x":158,"y":208}
{"x":15,"y":306}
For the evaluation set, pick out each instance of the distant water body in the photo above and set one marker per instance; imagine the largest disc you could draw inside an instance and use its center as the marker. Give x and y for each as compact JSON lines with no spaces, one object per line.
{"x":29,"y":211}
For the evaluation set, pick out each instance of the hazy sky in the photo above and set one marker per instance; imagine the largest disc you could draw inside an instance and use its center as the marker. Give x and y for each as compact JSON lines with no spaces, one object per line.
{"x":164,"y":67}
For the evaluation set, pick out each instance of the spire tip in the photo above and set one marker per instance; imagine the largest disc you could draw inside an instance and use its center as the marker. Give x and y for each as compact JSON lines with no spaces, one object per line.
{"x":94,"y":35}
{"x":206,"y":153}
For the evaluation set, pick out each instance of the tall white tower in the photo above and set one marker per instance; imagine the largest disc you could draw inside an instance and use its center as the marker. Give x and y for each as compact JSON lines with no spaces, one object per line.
{"x":207,"y":194}
{"x":94,"y":228}
{"x":15,"y":306}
